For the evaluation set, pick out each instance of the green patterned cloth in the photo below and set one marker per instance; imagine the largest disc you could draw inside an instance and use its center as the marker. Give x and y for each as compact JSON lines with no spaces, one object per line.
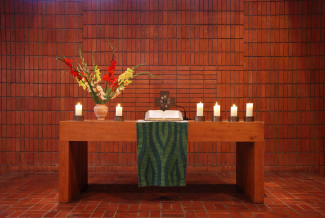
{"x":162,"y":153}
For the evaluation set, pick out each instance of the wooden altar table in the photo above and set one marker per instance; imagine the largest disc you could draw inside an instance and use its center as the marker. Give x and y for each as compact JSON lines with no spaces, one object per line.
{"x":73,"y":150}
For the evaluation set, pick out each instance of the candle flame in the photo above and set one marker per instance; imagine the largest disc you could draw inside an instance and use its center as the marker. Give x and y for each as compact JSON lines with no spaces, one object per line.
{"x":78,"y":103}
{"x":216,"y":103}
{"x":118,"y":105}
{"x":234,"y":105}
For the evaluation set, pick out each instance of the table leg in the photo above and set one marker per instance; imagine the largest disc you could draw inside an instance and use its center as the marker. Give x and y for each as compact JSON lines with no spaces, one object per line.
{"x":73,"y":169}
{"x":250,"y":169}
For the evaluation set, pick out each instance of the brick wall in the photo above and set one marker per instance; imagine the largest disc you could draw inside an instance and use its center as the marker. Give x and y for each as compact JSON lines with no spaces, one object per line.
{"x":271,"y":53}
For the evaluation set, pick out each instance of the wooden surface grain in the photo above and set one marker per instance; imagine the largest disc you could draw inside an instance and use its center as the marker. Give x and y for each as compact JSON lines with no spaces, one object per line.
{"x":93,"y":130}
{"x":73,"y":169}
{"x":250,"y":169}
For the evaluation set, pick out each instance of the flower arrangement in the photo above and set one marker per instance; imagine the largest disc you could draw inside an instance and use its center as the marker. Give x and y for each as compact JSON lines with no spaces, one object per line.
{"x":90,"y":80}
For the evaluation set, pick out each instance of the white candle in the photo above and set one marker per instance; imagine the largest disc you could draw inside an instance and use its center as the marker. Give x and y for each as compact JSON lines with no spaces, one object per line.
{"x":249,"y":109}
{"x":233,"y":111}
{"x":119,"y":110}
{"x":199,"y":109}
{"x":78,"y":110}
{"x":216,"y":110}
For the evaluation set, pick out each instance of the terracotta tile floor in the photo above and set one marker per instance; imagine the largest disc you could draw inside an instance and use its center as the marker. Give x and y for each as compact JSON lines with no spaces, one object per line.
{"x":206,"y":195}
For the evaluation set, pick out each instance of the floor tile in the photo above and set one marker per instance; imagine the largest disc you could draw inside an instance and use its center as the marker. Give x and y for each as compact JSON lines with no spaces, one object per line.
{"x":206,"y":195}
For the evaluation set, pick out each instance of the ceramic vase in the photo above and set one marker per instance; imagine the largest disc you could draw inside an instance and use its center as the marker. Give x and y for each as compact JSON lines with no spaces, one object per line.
{"x":101,"y":111}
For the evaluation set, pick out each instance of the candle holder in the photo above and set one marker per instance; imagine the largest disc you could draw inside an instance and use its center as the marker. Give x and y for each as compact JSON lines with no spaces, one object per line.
{"x":249,"y":119}
{"x":199,"y":118}
{"x":234,"y":119}
{"x":78,"y":118}
{"x":119,"y":118}
{"x":217,"y":119}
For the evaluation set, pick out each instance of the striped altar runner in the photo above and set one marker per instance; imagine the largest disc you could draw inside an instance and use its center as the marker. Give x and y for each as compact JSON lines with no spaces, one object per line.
{"x":162,"y":153}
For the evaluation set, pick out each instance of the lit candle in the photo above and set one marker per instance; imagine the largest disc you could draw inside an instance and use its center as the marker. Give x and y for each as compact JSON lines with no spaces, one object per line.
{"x":216,"y":110}
{"x":249,"y":109}
{"x":119,"y":110}
{"x":199,"y":109}
{"x":233,"y":111}
{"x":78,"y":109}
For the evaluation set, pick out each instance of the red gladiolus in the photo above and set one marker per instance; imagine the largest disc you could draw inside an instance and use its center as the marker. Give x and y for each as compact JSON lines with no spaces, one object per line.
{"x":68,"y":62}
{"x":106,"y":78}
{"x":115,"y":85}
{"x":111,"y":68}
{"x":72,"y":71}
{"x":113,"y":81}
{"x":110,"y":71}
{"x":75,"y":74}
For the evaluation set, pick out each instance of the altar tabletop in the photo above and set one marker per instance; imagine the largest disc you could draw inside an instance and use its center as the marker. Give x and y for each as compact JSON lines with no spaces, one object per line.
{"x":73,"y":150}
{"x":93,"y":130}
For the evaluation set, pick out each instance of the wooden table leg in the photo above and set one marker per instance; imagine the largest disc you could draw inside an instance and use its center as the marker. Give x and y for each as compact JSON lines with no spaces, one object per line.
{"x":73,"y":169}
{"x":250,"y":169}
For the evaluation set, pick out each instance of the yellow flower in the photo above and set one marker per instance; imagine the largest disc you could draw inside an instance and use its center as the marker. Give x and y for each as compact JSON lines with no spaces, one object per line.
{"x":126,"y":76}
{"x":82,"y":83}
{"x":127,"y":82}
{"x":97,"y":73}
